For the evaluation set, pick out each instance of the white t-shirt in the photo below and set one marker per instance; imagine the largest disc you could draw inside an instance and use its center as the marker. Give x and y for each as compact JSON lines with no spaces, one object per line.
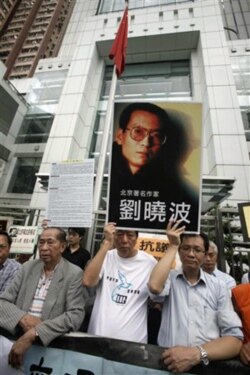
{"x":120,"y":308}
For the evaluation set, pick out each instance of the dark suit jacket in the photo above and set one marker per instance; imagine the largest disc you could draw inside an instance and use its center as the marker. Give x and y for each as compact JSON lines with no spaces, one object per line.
{"x":63,"y":309}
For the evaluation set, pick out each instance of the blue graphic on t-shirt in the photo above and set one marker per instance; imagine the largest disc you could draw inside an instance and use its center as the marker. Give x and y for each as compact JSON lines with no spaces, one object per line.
{"x":117,"y":295}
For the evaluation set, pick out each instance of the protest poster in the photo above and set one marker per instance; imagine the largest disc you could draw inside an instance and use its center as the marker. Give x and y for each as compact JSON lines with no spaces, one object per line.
{"x":156,"y":245}
{"x":244,"y":211}
{"x":24,"y":239}
{"x":70,"y":198}
{"x":155,"y":167}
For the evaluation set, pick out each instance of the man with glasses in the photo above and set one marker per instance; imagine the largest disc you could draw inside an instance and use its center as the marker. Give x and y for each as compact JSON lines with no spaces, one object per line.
{"x":198,"y":323}
{"x":46,"y":298}
{"x":8,"y":267}
{"x":121,"y":274}
{"x":147,"y":157}
{"x":210,"y":266}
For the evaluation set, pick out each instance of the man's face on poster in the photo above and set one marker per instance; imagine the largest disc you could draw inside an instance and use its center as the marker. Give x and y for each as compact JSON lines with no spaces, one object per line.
{"x":142,"y":139}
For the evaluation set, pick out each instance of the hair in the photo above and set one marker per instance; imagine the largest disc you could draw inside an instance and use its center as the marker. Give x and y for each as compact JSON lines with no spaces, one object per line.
{"x":213,"y":246}
{"x":202,"y":235}
{"x":80,"y":231}
{"x":128,"y":230}
{"x":6,"y":234}
{"x":147,"y":107}
{"x":61,"y":234}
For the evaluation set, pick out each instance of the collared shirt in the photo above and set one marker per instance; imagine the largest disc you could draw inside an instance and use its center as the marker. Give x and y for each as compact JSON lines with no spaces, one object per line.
{"x":227,"y":279}
{"x":36,"y":307}
{"x":7,"y":273}
{"x":198,"y":313}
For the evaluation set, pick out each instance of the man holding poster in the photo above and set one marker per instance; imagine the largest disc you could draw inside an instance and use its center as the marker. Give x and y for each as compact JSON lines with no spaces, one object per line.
{"x":148,"y":184}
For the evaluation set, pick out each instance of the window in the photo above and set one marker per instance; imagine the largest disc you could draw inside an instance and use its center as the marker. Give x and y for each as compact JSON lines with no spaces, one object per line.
{"x":241,"y":72}
{"x":117,"y":5}
{"x":8,"y":108}
{"x":35,"y":128}
{"x":24,"y":178}
{"x":152,"y":80}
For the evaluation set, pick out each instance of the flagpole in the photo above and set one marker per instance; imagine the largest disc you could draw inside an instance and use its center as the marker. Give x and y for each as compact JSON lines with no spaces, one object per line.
{"x":105,"y":138}
{"x":117,"y":52}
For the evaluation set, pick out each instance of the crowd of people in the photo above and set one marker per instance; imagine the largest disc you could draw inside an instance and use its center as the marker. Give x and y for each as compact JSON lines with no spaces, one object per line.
{"x":204,"y":316}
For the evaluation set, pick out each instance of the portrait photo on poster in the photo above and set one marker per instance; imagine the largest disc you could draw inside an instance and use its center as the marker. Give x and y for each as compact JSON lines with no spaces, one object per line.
{"x":155,"y":165}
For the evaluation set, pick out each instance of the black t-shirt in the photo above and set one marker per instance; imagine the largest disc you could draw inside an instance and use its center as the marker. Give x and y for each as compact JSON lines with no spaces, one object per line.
{"x":79,"y":257}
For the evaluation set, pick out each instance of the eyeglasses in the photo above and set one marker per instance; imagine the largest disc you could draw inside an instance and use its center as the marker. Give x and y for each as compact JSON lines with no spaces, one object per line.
{"x":196,"y":249}
{"x":138,"y":133}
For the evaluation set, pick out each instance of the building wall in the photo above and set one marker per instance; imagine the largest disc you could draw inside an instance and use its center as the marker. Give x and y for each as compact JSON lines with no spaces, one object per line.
{"x":29,"y":31}
{"x":169,"y":32}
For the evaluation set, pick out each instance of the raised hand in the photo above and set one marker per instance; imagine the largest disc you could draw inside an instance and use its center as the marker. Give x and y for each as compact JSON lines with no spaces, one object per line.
{"x":109,"y":231}
{"x":173,"y":231}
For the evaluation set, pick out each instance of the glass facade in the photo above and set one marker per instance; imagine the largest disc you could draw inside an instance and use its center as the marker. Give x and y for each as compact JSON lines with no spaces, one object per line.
{"x":46,"y":90}
{"x":23,"y":178}
{"x":43,"y":99}
{"x":35,"y":128}
{"x":241,"y":72}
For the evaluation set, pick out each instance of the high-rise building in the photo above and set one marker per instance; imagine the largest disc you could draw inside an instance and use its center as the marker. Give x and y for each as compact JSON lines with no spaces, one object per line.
{"x":195,"y":51}
{"x":5,"y":8}
{"x":31,"y":30}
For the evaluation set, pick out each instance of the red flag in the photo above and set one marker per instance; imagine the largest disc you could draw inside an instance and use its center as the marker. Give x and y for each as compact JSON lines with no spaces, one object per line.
{"x":119,"y":46}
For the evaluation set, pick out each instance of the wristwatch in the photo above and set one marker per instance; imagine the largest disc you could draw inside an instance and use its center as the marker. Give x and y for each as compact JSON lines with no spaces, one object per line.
{"x":203,"y":356}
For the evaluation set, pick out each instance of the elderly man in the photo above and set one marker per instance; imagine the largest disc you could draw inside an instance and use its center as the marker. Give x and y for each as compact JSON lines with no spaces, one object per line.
{"x":8,"y":267}
{"x":210,"y":266}
{"x":122,"y":274}
{"x":46,"y":298}
{"x":198,"y":323}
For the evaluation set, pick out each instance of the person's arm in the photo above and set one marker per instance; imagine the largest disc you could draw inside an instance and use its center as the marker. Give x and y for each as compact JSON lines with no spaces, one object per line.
{"x":225,"y":347}
{"x":10,"y":314}
{"x":93,"y":268}
{"x":161,"y":271}
{"x":72,"y":316}
{"x":182,"y":359}
{"x":69,"y":320}
{"x":12,"y":272}
{"x":29,"y":321}
{"x":19,"y":348}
